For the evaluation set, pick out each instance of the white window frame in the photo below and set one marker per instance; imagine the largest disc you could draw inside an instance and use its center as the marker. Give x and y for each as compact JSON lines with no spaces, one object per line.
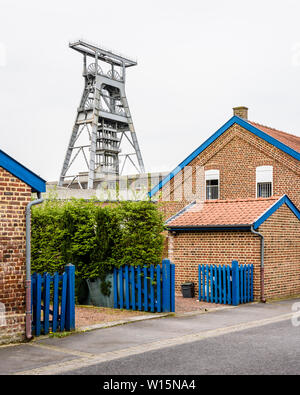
{"x":213,"y":174}
{"x":264,"y":174}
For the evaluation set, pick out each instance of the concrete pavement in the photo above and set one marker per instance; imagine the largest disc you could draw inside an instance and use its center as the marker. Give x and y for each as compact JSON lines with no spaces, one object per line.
{"x":83,"y":352}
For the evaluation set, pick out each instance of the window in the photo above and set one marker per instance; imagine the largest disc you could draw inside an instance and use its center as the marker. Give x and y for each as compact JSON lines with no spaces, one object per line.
{"x":212,"y":178}
{"x":264,"y":181}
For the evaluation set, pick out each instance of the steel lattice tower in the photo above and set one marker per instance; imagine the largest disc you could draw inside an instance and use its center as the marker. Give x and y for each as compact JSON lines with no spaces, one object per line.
{"x":104,"y":114}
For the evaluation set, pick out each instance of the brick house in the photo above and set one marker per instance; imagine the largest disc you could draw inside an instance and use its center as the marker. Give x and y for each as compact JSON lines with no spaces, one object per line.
{"x":243,"y":166}
{"x":17,"y":183}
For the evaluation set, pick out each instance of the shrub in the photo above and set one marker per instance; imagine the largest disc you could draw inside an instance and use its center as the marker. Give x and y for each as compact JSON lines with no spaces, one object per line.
{"x":95,"y":238}
{"x":139,"y":239}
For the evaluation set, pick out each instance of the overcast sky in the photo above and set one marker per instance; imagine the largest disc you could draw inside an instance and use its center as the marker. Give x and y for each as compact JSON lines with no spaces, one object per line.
{"x":196,"y":60}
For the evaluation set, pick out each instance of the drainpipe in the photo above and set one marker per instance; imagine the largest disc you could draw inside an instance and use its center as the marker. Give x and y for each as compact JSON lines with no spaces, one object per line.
{"x":262,"y":265}
{"x":28,"y":264}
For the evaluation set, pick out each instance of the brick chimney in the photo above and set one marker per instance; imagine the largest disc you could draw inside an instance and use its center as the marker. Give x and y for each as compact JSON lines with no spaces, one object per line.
{"x":241,"y":112}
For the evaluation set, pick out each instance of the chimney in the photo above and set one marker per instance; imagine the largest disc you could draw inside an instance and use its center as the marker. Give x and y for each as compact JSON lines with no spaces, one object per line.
{"x":241,"y":112}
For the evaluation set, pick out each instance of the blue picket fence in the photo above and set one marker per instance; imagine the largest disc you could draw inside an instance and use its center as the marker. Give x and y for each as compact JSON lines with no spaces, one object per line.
{"x":145,"y":288}
{"x":226,"y":284}
{"x":53,"y":301}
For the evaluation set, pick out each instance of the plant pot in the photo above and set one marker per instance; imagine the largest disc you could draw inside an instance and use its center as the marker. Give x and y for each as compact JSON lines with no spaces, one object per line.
{"x":96,"y":298}
{"x":188,"y":290}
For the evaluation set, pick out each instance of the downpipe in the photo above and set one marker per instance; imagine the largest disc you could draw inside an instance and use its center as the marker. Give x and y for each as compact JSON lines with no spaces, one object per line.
{"x":262,"y":265}
{"x":28,"y":264}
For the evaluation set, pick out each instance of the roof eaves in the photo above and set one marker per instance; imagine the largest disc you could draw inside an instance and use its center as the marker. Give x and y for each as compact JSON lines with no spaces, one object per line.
{"x":210,"y":227}
{"x":193,"y":155}
{"x":283,"y":200}
{"x":278,"y":144}
{"x":23,"y":173}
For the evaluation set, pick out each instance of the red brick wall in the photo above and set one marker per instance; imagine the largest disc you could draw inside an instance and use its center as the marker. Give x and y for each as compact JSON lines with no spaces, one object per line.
{"x":14,"y":196}
{"x":190,"y":249}
{"x":236,"y":154}
{"x":282,"y":253}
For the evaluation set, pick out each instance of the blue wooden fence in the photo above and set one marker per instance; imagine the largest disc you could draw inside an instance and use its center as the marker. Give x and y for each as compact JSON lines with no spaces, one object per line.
{"x":53,"y":301}
{"x":145,"y":288}
{"x":226,"y":284}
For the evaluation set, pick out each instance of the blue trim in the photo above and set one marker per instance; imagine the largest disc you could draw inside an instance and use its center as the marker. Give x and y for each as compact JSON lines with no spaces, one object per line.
{"x":218,"y":133}
{"x":15,"y":168}
{"x":283,"y":200}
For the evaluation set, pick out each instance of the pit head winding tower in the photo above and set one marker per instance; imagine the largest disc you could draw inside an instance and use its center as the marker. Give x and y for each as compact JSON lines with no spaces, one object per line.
{"x":104,"y":118}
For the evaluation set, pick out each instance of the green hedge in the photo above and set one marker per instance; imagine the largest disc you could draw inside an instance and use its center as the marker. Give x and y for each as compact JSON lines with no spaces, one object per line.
{"x":95,"y":238}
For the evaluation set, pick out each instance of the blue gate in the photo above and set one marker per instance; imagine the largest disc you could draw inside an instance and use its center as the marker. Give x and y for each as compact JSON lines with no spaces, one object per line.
{"x":53,"y":301}
{"x":226,"y":284}
{"x":145,"y":288}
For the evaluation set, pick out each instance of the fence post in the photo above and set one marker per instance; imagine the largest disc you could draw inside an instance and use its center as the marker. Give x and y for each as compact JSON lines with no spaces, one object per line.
{"x":173,"y":287}
{"x":235,"y":283}
{"x":133,"y":287}
{"x":127,"y":290}
{"x":64,"y":279}
{"x":166,"y":275}
{"x":38,"y":290}
{"x":55,"y":302}
{"x":46,"y":302}
{"x":158,"y":275}
{"x":70,"y":305}
{"x":251,"y":291}
{"x":115,"y":288}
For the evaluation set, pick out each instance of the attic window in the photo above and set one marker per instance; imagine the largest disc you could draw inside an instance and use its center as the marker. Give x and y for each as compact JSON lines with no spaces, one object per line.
{"x":264,"y":181}
{"x":212,"y":180}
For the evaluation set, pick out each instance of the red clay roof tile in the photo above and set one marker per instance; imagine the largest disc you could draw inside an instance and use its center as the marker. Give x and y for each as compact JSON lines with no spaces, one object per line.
{"x":222,"y":212}
{"x":288,"y":139}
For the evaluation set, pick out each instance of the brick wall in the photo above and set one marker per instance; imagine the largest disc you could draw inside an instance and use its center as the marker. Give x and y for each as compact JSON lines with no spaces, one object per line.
{"x":236,"y":154}
{"x":282,"y":253}
{"x":14,"y":196}
{"x":190,"y":249}
{"x":168,"y":209}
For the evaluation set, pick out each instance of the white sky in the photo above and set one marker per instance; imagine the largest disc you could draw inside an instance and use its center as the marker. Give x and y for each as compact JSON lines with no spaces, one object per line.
{"x":196,"y":60}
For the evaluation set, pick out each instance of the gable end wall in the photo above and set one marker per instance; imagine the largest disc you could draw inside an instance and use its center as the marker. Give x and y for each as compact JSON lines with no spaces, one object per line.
{"x":282,"y":253}
{"x":14,"y":197}
{"x":236,"y":154}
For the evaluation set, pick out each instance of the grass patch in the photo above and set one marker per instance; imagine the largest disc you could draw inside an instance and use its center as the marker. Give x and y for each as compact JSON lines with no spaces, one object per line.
{"x":61,"y":334}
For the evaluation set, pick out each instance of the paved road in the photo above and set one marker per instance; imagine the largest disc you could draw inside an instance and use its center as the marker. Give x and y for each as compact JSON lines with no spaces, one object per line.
{"x":253,"y":338}
{"x":269,"y":349}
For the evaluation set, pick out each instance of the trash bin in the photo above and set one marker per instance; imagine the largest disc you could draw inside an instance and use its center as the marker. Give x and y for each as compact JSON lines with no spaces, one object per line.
{"x":188,"y":290}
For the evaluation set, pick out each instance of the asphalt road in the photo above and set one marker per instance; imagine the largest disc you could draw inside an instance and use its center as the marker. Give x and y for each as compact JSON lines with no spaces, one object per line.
{"x":270,"y":349}
{"x":249,"y":339}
